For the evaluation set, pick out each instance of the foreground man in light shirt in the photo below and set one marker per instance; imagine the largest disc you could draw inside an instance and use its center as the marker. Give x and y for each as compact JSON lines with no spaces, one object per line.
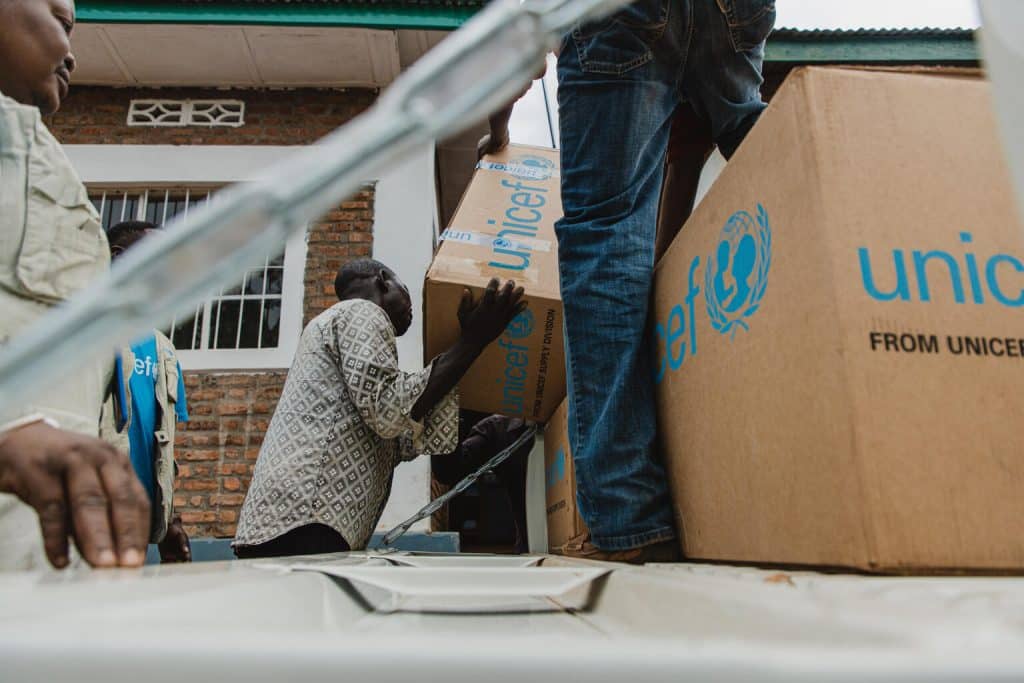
{"x":348,"y":415}
{"x":65,"y":481}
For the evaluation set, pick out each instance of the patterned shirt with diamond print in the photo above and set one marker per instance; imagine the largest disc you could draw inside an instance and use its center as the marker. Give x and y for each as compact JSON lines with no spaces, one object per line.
{"x":340,"y":428}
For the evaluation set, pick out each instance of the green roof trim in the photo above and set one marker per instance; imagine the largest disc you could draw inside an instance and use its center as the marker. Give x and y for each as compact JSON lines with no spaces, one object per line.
{"x":398,"y":15}
{"x":918,"y":46}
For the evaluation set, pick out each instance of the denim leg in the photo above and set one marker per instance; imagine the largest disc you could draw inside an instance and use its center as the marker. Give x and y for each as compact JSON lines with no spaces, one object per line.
{"x":722,"y":78}
{"x":616,"y":97}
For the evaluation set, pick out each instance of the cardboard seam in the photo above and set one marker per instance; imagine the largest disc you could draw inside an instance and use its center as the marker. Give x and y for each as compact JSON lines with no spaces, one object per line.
{"x":821,"y":119}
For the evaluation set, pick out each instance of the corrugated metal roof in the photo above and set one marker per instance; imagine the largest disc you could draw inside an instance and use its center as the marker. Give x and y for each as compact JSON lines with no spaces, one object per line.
{"x":873,"y":45}
{"x":833,"y":33}
{"x":442,"y":15}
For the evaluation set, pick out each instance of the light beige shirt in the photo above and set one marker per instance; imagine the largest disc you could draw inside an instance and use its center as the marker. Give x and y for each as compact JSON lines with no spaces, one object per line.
{"x":66,"y":248}
{"x":341,"y":427}
{"x":51,"y":246}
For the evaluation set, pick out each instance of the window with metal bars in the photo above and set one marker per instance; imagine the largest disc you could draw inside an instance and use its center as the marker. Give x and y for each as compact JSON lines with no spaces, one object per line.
{"x":245,"y":317}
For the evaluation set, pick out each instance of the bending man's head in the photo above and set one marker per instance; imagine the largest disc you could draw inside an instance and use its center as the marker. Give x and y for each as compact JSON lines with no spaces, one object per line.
{"x":35,"y":51}
{"x":126,"y":234}
{"x":373,"y":281}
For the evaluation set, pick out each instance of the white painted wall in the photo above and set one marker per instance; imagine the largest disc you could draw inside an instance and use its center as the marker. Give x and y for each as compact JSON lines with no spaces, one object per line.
{"x":405,"y":213}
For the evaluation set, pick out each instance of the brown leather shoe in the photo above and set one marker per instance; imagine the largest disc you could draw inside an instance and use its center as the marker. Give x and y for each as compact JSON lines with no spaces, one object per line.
{"x":582,"y":548}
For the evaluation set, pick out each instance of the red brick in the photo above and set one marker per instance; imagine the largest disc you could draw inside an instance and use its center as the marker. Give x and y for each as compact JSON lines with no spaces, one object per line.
{"x":200,"y":485}
{"x":228,"y":499}
{"x":232,"y":408}
{"x":232,"y":484}
{"x":228,"y":516}
{"x":189,"y":517}
{"x":234,"y":380}
{"x":191,"y":439}
{"x":232,"y":439}
{"x":269,"y":393}
{"x":200,"y":455}
{"x":265,"y":407}
{"x":202,"y":395}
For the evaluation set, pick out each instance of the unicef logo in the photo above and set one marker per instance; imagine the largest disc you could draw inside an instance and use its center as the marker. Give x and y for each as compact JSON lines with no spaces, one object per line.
{"x":521,"y":325}
{"x":531,"y":168}
{"x":556,"y":470}
{"x":502,"y":243}
{"x":737,"y":275}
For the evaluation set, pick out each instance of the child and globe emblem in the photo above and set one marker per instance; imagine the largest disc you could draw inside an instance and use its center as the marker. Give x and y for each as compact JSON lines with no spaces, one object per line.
{"x":737,"y":274}
{"x":521,"y":325}
{"x":530,"y":167}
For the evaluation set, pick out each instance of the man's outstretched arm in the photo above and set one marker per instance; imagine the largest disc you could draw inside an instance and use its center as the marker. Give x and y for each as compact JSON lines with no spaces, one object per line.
{"x":498,"y":137}
{"x":482,"y":322}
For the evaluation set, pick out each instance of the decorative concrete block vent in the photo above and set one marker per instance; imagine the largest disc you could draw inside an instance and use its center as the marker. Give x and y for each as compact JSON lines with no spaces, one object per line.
{"x":167,"y":113}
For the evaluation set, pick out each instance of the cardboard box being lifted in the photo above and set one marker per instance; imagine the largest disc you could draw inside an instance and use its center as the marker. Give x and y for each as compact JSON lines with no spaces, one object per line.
{"x":840,"y":335}
{"x":505,"y":228}
{"x":564,"y":521}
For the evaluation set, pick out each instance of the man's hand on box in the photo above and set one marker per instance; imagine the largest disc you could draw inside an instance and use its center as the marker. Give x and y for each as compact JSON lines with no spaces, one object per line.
{"x":79,"y":486}
{"x":491,"y":144}
{"x":483,"y":321}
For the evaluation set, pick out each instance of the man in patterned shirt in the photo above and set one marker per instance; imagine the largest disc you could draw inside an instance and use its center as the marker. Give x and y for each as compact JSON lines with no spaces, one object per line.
{"x":348,"y":415}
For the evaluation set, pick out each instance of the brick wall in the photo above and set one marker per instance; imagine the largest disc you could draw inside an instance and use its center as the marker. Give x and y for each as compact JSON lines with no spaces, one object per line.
{"x":342,"y":235}
{"x":97,"y":115}
{"x":230,"y":411}
{"x":229,"y":414}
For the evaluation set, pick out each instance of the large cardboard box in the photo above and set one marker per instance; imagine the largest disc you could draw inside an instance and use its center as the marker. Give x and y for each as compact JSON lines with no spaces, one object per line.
{"x":564,"y":521}
{"x":505,"y":228}
{"x":840,"y":335}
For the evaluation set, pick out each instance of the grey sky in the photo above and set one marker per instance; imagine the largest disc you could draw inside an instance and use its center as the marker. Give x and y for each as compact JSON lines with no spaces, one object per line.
{"x":529,"y":122}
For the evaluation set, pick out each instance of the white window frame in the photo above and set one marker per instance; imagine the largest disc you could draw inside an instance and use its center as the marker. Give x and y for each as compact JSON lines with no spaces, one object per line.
{"x":146,"y":166}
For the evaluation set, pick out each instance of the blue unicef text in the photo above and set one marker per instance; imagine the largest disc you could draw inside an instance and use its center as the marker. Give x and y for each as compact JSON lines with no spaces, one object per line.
{"x":679,"y":328}
{"x":1003,"y":276}
{"x":521,"y":219}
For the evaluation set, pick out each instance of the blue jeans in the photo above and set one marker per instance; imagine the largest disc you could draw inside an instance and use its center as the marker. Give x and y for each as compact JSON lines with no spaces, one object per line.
{"x":620,"y":80}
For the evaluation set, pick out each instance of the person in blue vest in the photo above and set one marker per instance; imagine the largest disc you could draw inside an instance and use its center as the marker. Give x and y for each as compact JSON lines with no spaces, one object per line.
{"x":147,"y":400}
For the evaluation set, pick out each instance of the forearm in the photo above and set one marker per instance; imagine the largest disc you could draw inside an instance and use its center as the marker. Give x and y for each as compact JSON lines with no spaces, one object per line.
{"x":447,"y":370}
{"x":498,"y":123}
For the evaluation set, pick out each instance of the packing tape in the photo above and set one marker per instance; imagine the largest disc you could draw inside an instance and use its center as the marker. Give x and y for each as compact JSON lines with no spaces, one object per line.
{"x":495,"y":242}
{"x":530,"y":168}
{"x":479,"y":270}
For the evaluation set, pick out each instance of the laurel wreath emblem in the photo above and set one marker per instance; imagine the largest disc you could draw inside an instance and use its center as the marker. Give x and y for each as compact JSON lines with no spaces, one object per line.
{"x":720,"y":320}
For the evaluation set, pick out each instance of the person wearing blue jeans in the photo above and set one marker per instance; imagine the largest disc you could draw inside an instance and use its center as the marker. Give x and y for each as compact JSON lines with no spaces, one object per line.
{"x":621,"y":79}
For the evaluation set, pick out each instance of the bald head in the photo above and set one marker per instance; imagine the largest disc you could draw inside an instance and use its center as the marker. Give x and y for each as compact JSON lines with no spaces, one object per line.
{"x":373,"y":281}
